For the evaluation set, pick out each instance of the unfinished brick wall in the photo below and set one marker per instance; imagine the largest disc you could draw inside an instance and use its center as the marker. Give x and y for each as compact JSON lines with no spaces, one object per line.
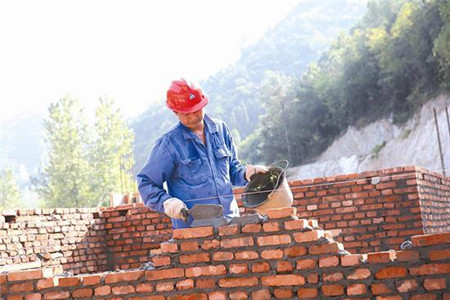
{"x":72,"y":238}
{"x":434,"y":197}
{"x":283,"y":257}
{"x":377,"y":210}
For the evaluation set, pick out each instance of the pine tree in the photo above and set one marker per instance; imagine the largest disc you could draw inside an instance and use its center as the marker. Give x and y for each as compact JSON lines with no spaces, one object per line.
{"x":65,"y":178}
{"x":111,"y":153}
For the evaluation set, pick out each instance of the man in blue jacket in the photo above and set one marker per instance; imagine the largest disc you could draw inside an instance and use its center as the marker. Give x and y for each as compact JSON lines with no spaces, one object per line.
{"x":196,"y":158}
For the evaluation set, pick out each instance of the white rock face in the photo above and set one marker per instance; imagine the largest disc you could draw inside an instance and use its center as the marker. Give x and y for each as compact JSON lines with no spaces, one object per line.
{"x":382,"y":145}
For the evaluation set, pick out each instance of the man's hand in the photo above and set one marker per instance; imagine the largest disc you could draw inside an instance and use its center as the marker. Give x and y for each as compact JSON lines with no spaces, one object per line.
{"x":172,"y":208}
{"x":252,"y":170}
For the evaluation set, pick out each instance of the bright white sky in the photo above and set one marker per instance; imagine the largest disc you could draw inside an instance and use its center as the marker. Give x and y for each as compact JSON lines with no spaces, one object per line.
{"x":126,"y":50}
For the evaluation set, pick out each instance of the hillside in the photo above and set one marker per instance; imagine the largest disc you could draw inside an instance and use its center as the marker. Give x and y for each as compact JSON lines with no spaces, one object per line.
{"x":382,"y":144}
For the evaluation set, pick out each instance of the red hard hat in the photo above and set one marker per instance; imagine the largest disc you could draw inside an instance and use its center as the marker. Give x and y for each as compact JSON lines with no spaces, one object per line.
{"x":185,"y":98}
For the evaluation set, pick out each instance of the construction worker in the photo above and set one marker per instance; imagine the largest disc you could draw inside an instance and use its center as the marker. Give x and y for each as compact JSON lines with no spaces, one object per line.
{"x":196,"y":158}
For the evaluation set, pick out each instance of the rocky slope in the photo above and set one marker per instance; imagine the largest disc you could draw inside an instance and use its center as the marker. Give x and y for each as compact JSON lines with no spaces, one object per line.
{"x":382,"y":145}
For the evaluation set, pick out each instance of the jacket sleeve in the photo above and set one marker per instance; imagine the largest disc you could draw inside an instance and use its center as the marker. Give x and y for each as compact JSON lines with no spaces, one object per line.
{"x":237,"y":170}
{"x":156,"y":171}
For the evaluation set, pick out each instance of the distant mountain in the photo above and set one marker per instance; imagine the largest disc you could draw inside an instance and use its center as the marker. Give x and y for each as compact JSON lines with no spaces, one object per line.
{"x":288,"y":48}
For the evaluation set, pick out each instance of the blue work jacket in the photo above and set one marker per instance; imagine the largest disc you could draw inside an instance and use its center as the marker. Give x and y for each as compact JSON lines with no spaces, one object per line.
{"x":194,"y":172}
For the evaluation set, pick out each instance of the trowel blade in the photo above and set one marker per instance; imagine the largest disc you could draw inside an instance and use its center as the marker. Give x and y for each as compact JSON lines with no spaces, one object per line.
{"x":206,"y":211}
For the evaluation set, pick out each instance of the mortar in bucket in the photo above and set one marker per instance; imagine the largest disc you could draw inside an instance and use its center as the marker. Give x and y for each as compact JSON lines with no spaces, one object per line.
{"x":269,"y":190}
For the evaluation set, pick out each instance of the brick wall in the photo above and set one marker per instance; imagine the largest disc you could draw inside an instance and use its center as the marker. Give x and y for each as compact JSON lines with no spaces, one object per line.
{"x":72,"y":238}
{"x":434,"y":195}
{"x":283,"y":257}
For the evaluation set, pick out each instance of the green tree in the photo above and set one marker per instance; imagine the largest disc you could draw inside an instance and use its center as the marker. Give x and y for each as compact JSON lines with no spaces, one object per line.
{"x":64,"y":181}
{"x":111,"y":153}
{"x":10,"y":195}
{"x":442,"y":44}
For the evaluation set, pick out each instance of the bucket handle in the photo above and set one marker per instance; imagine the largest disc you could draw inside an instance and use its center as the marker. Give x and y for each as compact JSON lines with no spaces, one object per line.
{"x":276,"y":164}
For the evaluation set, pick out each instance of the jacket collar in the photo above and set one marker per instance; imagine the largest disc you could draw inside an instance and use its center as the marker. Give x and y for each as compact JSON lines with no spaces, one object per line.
{"x":210,"y":125}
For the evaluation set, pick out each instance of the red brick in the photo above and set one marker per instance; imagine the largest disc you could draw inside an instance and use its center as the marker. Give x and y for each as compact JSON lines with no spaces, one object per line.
{"x":282,"y":280}
{"x":25,"y":275}
{"x":163,"y":286}
{"x":330,"y":261}
{"x":391,"y":272}
{"x":102,"y":290}
{"x":261,"y":294}
{"x":210,"y":244}
{"x":439,"y":254}
{"x":194,"y":258}
{"x":192,"y":233}
{"x":296,"y":224}
{"x":251,"y":228}
{"x":217,"y":295}
{"x":35,"y":296}
{"x":336,"y":276}
{"x":306,"y":293}
{"x":407,"y":256}
{"x":284,"y":266}
{"x":431,"y":284}
{"x":82,"y":293}
{"x":238,"y":268}
{"x":223,"y":256}
{"x":186,"y":284}
{"x":159,"y":261}
{"x":237,"y":242}
{"x":430,"y":269}
{"x":332,"y":290}
{"x":423,"y":297}
{"x":271,"y":226}
{"x":312,"y":278}
{"x":325,"y":248}
{"x":389,"y":298}
{"x":406,"y":285}
{"x":356,"y":289}
{"x":169,"y":248}
{"x":279,"y":213}
{"x":91,"y":279}
{"x":68,"y":281}
{"x":381,"y":257}
{"x":164,"y":274}
{"x":21,"y":287}
{"x":260,"y":267}
{"x":235,"y":282}
{"x":358,"y":274}
{"x":123,"y":289}
{"x":282,"y":293}
{"x":306,"y":264}
{"x":46,"y":283}
{"x":379,"y":289}
{"x":246,"y":255}
{"x":229,"y":230}
{"x":189,"y":246}
{"x":57,"y":295}
{"x":295,"y":251}
{"x":144,"y":288}
{"x":125,"y":276}
{"x":205,"y":283}
{"x":430,"y":239}
{"x":351,"y":260}
{"x":271,"y":240}
{"x":308,"y":236}
{"x":272,"y":254}
{"x":238,"y":295}
{"x":205,"y":271}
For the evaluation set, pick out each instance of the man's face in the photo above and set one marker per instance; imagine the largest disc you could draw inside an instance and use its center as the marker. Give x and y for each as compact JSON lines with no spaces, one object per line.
{"x":191,"y":120}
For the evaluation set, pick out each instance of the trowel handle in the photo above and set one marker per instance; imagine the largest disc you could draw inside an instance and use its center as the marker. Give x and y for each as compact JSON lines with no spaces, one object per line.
{"x":185,"y":214}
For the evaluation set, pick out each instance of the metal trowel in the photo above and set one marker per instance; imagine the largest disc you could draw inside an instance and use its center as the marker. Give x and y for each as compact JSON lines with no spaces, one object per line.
{"x":205,"y":215}
{"x":202,"y":211}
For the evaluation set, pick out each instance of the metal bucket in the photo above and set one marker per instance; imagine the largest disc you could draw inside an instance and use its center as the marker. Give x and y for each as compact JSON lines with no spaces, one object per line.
{"x":268,"y":190}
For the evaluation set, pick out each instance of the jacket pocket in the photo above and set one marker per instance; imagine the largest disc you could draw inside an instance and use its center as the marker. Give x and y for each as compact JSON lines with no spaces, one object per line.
{"x":192,"y":172}
{"x":223,"y":157}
